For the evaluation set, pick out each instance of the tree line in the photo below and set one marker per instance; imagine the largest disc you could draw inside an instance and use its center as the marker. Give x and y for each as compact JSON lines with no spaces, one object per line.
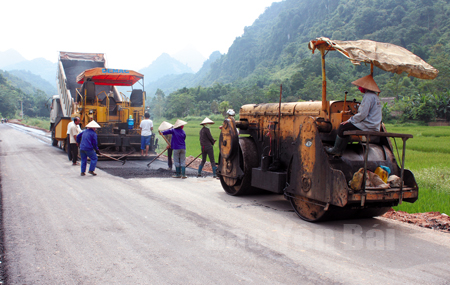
{"x":13,"y":99}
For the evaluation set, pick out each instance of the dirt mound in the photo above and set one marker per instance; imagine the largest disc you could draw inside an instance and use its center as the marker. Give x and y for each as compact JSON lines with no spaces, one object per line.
{"x":196,"y":163}
{"x":431,"y":220}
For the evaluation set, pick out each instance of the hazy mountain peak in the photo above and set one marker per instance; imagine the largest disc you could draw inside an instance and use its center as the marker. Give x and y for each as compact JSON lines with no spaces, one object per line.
{"x":10,"y":57}
{"x":190,"y":56}
{"x":163,"y":56}
{"x":164,"y":65}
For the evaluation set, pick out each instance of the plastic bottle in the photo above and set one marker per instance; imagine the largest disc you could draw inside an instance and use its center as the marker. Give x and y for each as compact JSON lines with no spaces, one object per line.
{"x":382,"y":173}
{"x":130,"y":122}
{"x":387,"y":169}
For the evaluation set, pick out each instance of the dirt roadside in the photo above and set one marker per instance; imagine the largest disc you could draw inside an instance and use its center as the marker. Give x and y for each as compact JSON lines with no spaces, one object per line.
{"x":430,"y":220}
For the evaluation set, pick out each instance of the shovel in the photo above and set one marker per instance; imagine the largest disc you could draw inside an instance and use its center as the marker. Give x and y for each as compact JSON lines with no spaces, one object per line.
{"x":126,"y":154}
{"x":123,"y":161}
{"x":193,"y":160}
{"x":148,"y":165}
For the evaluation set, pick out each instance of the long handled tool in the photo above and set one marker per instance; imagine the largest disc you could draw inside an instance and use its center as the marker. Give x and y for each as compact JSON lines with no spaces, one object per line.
{"x":168,"y":143}
{"x":148,"y":165}
{"x":105,"y":155}
{"x":126,"y":154}
{"x":168,"y":146}
{"x":193,"y":160}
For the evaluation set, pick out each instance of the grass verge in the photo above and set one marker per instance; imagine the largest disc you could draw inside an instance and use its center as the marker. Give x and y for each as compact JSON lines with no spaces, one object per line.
{"x":428,"y":157}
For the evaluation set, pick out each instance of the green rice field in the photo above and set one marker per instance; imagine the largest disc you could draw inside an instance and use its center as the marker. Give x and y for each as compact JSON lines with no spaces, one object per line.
{"x":428,"y":157}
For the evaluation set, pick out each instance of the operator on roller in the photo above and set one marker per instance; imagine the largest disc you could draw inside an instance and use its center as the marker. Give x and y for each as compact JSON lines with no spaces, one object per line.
{"x":206,"y":143}
{"x":368,"y":117}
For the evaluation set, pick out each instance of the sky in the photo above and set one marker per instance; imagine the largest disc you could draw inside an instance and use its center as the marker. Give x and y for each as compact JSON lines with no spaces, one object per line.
{"x":132,"y":34}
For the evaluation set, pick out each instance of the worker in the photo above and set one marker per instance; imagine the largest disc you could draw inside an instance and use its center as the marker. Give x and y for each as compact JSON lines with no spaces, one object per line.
{"x":231,"y":113}
{"x":73,"y":132}
{"x":146,"y":127}
{"x":206,"y":143}
{"x":178,"y":145}
{"x":68,"y":140}
{"x":69,"y":153}
{"x":368,"y":117}
{"x":88,"y":147}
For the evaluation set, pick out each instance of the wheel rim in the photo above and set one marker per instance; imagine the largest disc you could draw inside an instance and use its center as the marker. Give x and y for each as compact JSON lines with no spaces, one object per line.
{"x":308,"y":210}
{"x":248,"y":160}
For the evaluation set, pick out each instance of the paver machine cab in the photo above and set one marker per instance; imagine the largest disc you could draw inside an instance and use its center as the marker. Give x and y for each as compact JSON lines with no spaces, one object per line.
{"x":280,"y":147}
{"x":88,"y":89}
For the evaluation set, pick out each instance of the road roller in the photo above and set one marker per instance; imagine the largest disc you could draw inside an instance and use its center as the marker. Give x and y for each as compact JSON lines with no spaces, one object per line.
{"x":280,"y":147}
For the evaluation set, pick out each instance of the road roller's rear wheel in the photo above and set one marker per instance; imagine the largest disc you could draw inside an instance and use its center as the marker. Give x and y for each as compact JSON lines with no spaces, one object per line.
{"x":248,"y":158}
{"x":312,"y":211}
{"x":309,"y":210}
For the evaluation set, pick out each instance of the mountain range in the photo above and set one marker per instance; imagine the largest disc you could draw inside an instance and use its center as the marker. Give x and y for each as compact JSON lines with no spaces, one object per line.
{"x":162,"y":66}
{"x":41,"y":73}
{"x":171,"y":82}
{"x":274,"y":48}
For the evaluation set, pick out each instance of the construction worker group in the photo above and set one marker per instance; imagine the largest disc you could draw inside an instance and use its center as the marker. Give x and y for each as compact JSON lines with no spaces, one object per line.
{"x":174,"y":135}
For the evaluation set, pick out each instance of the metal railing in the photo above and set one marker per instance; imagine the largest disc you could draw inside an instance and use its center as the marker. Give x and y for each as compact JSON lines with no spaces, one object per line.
{"x":367,"y":134}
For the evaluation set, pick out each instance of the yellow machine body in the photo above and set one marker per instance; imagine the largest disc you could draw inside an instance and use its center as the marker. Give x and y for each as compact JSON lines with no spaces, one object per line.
{"x":88,"y":89}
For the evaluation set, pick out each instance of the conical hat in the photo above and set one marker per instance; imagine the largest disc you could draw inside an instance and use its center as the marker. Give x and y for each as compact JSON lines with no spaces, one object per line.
{"x":207,"y":121}
{"x":93,"y":124}
{"x":179,"y":123}
{"x":368,"y":83}
{"x":165,"y":126}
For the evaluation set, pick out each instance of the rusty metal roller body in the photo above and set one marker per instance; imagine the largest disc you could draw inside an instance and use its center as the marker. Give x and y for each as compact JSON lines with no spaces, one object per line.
{"x":229,"y":139}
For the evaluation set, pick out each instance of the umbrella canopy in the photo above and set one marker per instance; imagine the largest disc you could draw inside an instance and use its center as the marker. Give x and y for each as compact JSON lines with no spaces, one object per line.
{"x":109,"y":76}
{"x":388,"y":57}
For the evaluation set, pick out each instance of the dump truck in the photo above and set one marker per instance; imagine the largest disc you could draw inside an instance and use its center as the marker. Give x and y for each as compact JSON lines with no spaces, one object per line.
{"x":87,"y":89}
{"x":280,"y":147}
